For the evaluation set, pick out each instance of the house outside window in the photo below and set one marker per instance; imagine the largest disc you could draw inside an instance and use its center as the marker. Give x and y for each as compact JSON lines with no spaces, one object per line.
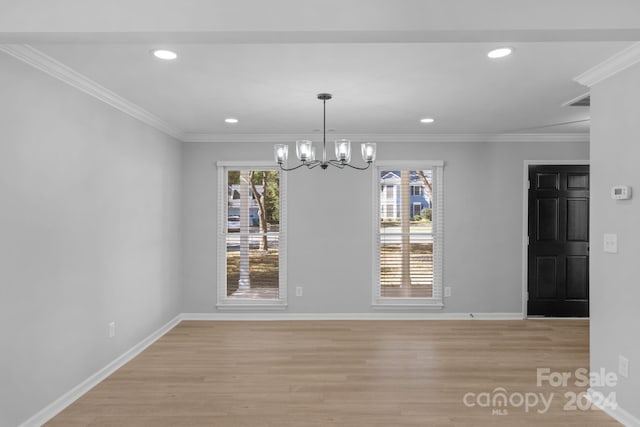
{"x":417,"y":208}
{"x":390,"y":197}
{"x":409,"y":234}
{"x":251,"y":230}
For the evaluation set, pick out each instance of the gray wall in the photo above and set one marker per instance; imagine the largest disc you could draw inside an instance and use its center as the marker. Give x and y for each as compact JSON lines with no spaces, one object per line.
{"x":615,"y":290}
{"x":89,"y":234}
{"x":330,"y":230}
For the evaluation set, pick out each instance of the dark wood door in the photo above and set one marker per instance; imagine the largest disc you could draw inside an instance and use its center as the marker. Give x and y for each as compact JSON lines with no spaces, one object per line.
{"x":558,"y":241}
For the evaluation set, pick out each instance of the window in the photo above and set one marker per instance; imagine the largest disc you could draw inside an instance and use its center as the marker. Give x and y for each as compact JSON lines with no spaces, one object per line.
{"x":409,"y":243}
{"x":389,"y":192}
{"x":251,"y":245}
{"x":388,"y":197}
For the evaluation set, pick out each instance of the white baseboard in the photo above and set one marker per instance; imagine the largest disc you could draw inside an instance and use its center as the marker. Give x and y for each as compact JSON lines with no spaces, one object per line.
{"x":618,"y":413}
{"x":351,"y":316}
{"x":75,"y":393}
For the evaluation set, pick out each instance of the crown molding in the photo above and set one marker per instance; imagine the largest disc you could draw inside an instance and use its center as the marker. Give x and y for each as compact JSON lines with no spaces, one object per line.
{"x":618,"y":62}
{"x":391,"y":138}
{"x":54,"y":68}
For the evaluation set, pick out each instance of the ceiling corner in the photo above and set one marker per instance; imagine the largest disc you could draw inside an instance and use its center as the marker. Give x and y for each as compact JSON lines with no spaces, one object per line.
{"x":618,"y":62}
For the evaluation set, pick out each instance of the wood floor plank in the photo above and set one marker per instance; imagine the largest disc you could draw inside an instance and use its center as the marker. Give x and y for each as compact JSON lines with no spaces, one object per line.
{"x":341,"y":373}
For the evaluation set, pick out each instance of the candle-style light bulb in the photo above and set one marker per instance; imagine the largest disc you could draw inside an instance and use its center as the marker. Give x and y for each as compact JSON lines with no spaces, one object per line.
{"x":368,"y":151}
{"x":303,"y":150}
{"x":281,"y":153}
{"x":343,"y":150}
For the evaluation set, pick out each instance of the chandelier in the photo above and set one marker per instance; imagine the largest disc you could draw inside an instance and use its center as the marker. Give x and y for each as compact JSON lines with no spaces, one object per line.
{"x":306,"y":152}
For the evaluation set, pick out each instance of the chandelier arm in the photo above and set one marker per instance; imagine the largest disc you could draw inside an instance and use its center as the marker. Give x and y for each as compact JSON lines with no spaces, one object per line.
{"x":314,"y":164}
{"x":336,"y":163}
{"x":291,"y":169}
{"x":357,"y":167}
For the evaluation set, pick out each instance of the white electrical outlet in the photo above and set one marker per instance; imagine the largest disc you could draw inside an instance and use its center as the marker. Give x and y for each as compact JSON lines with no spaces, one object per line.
{"x":623,"y":366}
{"x":298,"y":291}
{"x":112,"y":329}
{"x":611,"y":243}
{"x":447,"y":291}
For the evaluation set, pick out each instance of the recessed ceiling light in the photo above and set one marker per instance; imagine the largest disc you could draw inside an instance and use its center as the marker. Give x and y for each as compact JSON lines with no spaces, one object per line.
{"x":231,"y":120}
{"x":427,"y":120}
{"x":500,"y":52}
{"x":165,"y":54}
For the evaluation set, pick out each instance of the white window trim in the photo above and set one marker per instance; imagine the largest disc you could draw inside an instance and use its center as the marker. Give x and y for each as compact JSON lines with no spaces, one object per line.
{"x":223,"y":302}
{"x":436,"y":301}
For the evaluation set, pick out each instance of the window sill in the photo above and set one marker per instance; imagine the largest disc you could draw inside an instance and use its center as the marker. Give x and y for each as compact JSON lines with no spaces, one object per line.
{"x":397,"y":305}
{"x":279,"y":306}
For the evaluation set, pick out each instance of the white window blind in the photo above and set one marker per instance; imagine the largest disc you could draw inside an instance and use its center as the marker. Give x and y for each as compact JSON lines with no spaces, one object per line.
{"x":408,"y":233}
{"x":251,"y":236}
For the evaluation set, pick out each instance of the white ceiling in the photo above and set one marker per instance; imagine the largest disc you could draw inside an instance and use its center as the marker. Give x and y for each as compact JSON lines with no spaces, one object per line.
{"x":265,"y":70}
{"x":377,"y":88}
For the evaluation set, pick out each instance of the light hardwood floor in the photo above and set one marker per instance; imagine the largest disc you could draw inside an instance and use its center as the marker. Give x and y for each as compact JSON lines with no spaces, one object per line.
{"x":341,"y":373}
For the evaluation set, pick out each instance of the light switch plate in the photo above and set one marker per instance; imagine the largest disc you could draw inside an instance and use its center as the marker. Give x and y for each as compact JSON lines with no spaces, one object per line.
{"x":611,"y":243}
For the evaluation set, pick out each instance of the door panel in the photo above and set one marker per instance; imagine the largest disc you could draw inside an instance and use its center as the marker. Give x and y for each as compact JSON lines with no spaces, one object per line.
{"x":577,"y":181}
{"x":577,"y":271}
{"x":547,"y":228}
{"x":558,"y":241}
{"x":547,"y":181}
{"x":577,"y":220}
{"x":547,"y":277}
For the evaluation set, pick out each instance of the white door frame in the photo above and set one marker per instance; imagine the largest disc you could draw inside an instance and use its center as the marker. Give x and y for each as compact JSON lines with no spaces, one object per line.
{"x":525,"y":219}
